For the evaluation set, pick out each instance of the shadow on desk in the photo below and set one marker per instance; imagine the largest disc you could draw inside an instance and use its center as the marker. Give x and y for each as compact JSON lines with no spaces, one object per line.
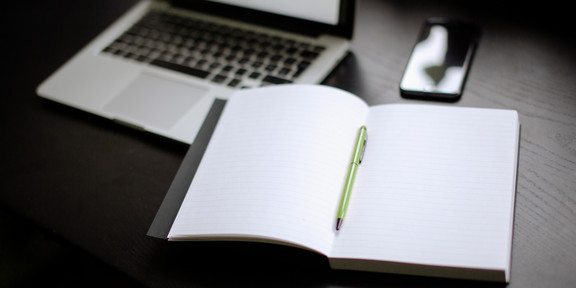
{"x":249,"y":264}
{"x":31,"y":257}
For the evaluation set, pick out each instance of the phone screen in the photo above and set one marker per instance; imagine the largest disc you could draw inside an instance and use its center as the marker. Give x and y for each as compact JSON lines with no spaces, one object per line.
{"x":440,"y":60}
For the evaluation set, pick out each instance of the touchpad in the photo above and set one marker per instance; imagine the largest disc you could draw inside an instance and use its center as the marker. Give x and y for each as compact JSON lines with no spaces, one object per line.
{"x":154,"y":101}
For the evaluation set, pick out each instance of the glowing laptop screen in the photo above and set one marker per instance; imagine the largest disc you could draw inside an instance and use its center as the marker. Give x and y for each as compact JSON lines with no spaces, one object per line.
{"x":322,"y":11}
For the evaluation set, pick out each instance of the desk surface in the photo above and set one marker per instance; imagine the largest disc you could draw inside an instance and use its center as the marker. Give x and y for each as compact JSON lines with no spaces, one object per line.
{"x":98,"y":185}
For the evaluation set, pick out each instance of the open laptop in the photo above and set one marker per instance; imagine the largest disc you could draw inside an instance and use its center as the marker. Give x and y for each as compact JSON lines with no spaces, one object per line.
{"x":162,"y":64}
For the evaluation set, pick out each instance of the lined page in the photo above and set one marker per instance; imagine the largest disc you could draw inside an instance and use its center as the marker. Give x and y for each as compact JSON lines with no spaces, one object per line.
{"x":436,"y":187}
{"x":274,"y":167}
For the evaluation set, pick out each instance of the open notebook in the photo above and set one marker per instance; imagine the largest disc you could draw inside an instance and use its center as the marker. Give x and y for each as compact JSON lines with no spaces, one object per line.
{"x":434,"y":194}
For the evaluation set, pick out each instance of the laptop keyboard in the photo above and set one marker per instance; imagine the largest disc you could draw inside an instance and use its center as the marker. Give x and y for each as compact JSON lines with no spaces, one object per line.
{"x":218,"y":53}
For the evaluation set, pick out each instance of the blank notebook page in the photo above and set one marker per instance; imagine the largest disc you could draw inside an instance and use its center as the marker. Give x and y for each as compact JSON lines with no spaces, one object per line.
{"x":436,"y":187}
{"x":274,"y":168}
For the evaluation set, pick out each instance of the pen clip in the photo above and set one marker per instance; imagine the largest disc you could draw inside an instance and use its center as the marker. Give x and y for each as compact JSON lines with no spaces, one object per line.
{"x":363,"y":148}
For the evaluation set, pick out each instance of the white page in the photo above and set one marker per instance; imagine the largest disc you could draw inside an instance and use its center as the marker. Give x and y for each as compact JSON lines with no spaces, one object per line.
{"x":275,"y":167}
{"x":436,"y":187}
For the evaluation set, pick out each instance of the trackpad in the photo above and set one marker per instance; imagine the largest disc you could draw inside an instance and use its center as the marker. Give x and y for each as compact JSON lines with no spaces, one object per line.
{"x":154,"y":101}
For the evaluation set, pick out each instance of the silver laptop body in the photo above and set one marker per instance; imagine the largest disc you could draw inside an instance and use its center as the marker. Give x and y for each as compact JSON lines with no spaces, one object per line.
{"x":161,"y":65}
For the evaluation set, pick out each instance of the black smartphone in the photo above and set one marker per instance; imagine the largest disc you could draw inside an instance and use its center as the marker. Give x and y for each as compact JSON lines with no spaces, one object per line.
{"x":440,"y":60}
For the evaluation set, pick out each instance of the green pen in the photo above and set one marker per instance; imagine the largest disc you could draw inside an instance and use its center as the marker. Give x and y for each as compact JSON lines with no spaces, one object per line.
{"x":356,"y":160}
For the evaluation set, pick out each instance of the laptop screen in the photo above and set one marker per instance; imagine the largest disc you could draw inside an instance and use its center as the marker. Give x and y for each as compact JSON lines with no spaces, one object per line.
{"x":312,"y":17}
{"x":323,"y":11}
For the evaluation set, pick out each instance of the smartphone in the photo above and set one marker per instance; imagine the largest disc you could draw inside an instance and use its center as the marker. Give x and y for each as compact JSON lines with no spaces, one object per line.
{"x":440,"y":60}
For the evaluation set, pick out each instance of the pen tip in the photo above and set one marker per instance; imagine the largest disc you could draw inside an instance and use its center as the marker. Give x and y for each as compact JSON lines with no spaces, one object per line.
{"x":338,"y":223}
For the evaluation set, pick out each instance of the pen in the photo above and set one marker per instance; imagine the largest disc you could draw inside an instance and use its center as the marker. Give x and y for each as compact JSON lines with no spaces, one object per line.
{"x":356,"y":160}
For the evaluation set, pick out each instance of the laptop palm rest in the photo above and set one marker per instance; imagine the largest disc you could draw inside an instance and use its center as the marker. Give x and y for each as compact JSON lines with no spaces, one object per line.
{"x":153,"y":101}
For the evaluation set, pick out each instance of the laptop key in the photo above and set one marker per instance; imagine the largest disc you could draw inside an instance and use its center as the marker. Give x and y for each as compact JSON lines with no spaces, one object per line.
{"x":309,"y":54}
{"x":284,"y":71}
{"x":179,"y":68}
{"x":234,"y":82}
{"x":219,"y":78}
{"x":254,"y":75}
{"x":275,"y":80}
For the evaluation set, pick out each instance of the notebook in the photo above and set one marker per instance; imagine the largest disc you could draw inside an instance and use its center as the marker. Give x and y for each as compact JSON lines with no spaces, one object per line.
{"x":433,"y":195}
{"x":160,"y":67}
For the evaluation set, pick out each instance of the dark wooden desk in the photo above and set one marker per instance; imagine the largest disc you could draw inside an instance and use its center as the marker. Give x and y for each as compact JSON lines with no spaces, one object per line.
{"x":98,"y":185}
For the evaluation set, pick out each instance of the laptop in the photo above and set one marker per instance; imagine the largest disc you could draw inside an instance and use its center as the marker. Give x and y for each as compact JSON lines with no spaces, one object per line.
{"x":161,"y":65}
